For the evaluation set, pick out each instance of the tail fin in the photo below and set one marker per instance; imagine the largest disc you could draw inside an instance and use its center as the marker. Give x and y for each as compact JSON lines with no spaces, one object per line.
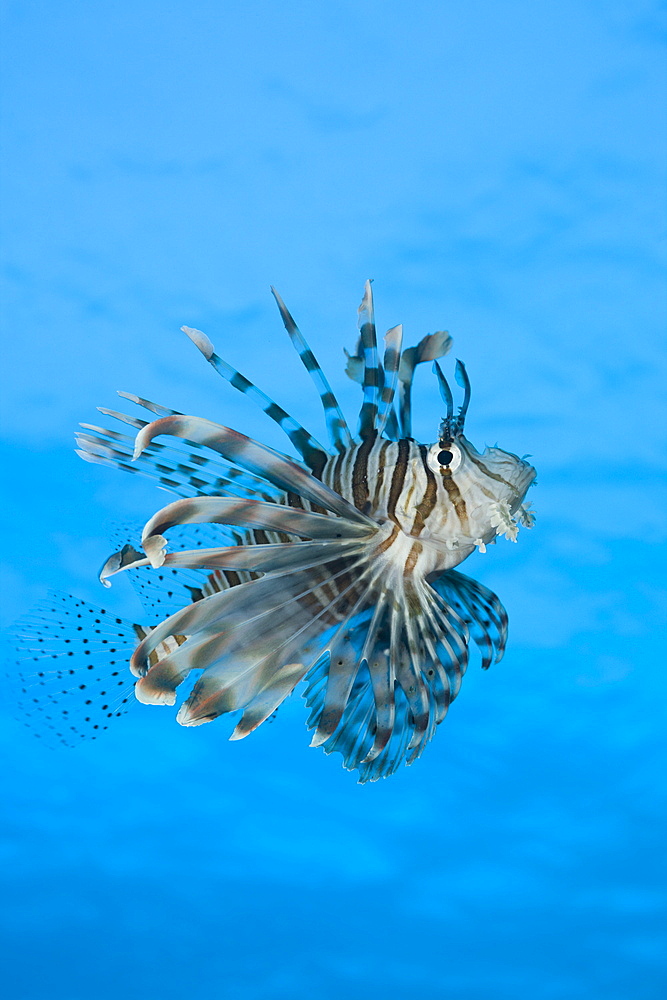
{"x":72,"y":669}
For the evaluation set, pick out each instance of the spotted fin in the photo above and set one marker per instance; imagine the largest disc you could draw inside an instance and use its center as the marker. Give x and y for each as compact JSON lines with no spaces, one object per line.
{"x":72,"y":669}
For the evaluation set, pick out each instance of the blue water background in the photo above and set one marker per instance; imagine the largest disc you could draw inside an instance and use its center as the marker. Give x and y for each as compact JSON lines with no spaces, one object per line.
{"x":499,"y":169}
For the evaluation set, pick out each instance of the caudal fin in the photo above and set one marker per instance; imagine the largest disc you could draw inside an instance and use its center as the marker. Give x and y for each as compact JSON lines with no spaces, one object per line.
{"x":72,"y":674}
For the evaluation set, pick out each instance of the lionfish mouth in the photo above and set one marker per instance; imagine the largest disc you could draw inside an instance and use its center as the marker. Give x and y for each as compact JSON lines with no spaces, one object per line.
{"x":451,"y":425}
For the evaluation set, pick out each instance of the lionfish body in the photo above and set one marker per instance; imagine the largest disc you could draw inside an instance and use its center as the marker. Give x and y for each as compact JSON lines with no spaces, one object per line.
{"x":337,"y":569}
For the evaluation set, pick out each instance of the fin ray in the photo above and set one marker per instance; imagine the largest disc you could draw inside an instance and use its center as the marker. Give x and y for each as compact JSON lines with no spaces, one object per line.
{"x":312,"y":452}
{"x":339,"y":432}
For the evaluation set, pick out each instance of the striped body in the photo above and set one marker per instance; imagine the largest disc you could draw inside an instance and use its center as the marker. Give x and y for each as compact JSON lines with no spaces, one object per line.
{"x":337,"y":569}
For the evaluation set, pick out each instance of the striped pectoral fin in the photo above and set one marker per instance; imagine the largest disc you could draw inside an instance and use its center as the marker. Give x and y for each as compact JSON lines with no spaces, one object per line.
{"x":255,"y":458}
{"x":375,"y":655}
{"x":452,"y":634}
{"x":250,"y":514}
{"x":487,"y":613}
{"x":416,"y":696}
{"x":235,"y":678}
{"x":282,"y":556}
{"x":226,"y":622}
{"x":426,"y":722}
{"x":419,"y":696}
{"x":358,"y":711}
{"x":354,"y":736}
{"x":343,"y":666}
{"x":478,"y":630}
{"x":393,"y":755}
{"x":480,"y":609}
{"x":269,"y":699}
{"x":436,"y":674}
{"x":183,"y":472}
{"x":229,"y":611}
{"x":444,"y":635}
{"x":273,"y":622}
{"x":158,"y":686}
{"x":380,"y":668}
{"x":253,"y":683}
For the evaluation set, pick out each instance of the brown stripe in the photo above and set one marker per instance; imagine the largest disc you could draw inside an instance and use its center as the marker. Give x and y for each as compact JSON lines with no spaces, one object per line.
{"x":215,"y":582}
{"x":324,"y":591}
{"x":429,"y":499}
{"x":491,"y":475}
{"x":455,"y":497}
{"x":311,"y":602}
{"x":388,"y":542}
{"x":360,"y":493}
{"x":413,"y":556}
{"x":327,"y":592}
{"x":338,"y":465}
{"x":316,"y":460}
{"x":398,"y":477}
{"x":380,"y":473}
{"x":294,"y":500}
{"x":408,"y":496}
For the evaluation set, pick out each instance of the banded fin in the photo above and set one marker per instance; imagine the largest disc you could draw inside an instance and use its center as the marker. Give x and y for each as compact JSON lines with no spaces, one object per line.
{"x":393,"y":651}
{"x":377,"y":387}
{"x":283,"y":557}
{"x":254,"y":458}
{"x":480,"y":608}
{"x":339,"y":432}
{"x":312,"y":452}
{"x":378,"y":698}
{"x":245,"y":513}
{"x":164,"y":591}
{"x":429,"y":348}
{"x":180,"y":471}
{"x":247,"y":641}
{"x":373,"y":377}
{"x":392,"y":358}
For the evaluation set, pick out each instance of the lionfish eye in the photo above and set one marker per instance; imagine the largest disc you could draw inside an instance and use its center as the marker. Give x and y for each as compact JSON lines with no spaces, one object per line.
{"x":445,"y":458}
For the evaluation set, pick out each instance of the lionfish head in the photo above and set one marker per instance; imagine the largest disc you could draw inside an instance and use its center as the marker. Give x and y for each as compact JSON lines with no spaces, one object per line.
{"x":492,"y":484}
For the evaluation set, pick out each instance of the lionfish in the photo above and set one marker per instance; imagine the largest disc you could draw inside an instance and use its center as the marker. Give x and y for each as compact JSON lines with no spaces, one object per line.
{"x":337,"y":569}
